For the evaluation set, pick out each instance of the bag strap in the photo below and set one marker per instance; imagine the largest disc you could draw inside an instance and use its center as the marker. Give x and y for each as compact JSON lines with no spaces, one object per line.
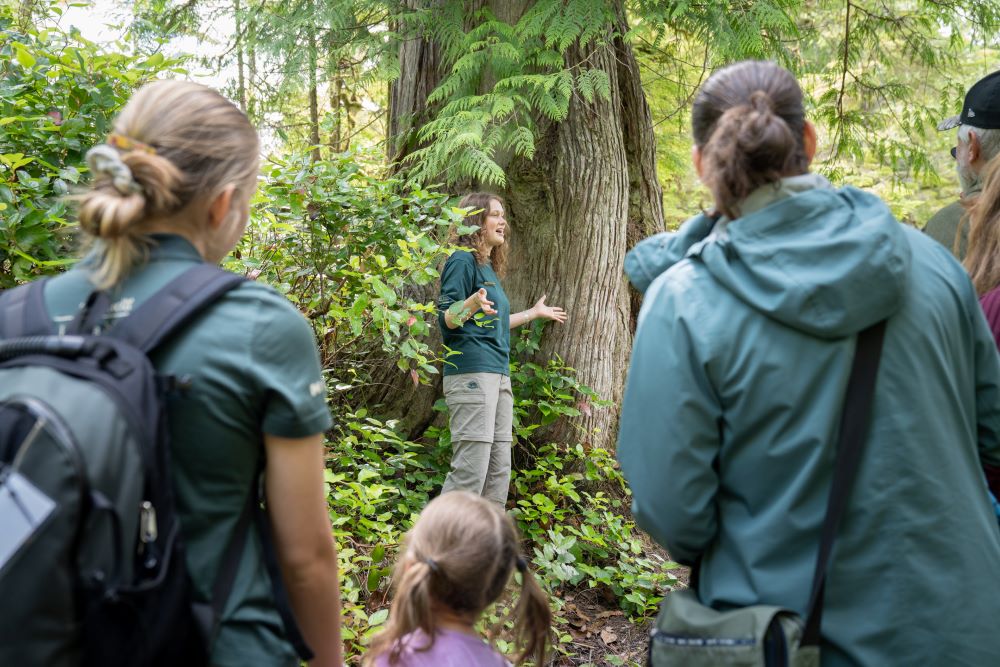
{"x":23,"y":312}
{"x":853,"y":428}
{"x":231,"y":558}
{"x":292,"y":632}
{"x":210,"y":615}
{"x":91,"y":315}
{"x":174,"y":305}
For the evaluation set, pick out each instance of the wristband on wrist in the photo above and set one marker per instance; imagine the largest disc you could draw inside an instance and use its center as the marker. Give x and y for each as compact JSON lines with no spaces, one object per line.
{"x":459,"y":312}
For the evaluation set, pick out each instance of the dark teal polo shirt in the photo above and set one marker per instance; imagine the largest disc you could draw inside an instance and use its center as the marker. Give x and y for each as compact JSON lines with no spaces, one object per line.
{"x":484,"y":341}
{"x":255,"y":369}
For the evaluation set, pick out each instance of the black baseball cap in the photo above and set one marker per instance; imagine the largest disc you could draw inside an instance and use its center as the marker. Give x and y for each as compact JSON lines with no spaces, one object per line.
{"x":982,"y":106}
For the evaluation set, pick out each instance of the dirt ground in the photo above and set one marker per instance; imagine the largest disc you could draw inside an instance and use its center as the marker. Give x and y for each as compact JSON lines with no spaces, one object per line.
{"x":601,"y":631}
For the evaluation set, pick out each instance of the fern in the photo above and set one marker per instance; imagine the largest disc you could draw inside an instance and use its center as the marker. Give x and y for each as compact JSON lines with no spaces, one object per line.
{"x":526,"y":65}
{"x":476,"y":164}
{"x":523,"y":142}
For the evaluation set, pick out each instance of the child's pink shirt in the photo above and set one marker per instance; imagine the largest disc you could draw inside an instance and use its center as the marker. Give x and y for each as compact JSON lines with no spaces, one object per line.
{"x":452,"y":648}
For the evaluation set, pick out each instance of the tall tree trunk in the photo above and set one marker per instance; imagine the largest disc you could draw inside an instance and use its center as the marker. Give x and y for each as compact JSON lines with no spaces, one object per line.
{"x":313,"y":87}
{"x":419,"y":74}
{"x":241,"y":82}
{"x":251,"y":64}
{"x":589,"y":193}
{"x":645,"y":203}
{"x":337,"y":109}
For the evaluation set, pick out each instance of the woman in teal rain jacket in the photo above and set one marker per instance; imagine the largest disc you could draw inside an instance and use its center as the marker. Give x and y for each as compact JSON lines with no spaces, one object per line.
{"x":737,"y":381}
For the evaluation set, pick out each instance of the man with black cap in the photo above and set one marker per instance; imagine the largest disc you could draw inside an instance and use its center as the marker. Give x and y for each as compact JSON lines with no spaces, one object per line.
{"x":978,"y":143}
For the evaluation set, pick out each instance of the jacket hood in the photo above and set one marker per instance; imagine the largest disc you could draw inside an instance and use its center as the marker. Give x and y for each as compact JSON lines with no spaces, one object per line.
{"x":827,"y":262}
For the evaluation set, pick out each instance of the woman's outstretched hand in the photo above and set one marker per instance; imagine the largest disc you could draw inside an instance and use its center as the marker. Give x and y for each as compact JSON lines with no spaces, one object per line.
{"x":480,"y":302}
{"x":542,"y":311}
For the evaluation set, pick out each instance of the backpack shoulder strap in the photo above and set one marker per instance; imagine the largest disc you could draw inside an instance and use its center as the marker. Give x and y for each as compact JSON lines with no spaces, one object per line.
{"x":23,"y":312}
{"x":174,"y":306}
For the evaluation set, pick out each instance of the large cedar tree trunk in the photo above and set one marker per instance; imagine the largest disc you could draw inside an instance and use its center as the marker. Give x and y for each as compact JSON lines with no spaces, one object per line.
{"x":589,"y":194}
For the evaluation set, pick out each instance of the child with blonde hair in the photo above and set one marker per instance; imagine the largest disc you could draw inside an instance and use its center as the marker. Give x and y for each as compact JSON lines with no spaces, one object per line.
{"x":457,"y":561}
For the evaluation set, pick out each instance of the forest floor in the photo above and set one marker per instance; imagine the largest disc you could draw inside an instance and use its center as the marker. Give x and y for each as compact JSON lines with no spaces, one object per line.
{"x":602,"y":633}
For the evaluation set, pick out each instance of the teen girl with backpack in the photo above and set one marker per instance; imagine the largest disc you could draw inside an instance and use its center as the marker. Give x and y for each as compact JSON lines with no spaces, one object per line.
{"x":172,"y":189}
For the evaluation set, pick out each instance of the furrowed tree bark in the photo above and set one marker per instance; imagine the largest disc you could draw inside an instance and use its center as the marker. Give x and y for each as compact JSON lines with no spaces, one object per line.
{"x":420,"y":72}
{"x":645,"y":212}
{"x":588,"y":195}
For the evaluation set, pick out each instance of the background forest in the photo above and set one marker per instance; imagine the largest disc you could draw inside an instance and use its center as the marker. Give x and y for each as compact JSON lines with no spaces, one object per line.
{"x":375,"y":114}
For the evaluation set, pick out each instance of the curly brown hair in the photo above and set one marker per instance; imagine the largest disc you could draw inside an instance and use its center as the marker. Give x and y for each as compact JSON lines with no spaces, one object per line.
{"x":479,"y":202}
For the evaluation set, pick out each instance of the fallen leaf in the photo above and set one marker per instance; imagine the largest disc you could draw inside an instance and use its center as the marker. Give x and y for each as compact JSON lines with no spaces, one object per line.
{"x":415,"y":377}
{"x":608,"y":637}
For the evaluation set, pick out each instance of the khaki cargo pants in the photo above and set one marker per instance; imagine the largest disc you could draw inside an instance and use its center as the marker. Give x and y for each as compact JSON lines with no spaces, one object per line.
{"x":481,"y":406}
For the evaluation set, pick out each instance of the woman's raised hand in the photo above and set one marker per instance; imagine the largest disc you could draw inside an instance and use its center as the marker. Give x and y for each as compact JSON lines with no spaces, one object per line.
{"x":544,"y":312}
{"x":480,"y":302}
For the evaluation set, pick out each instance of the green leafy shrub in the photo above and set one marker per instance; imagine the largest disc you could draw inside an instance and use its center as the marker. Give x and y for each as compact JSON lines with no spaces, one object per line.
{"x":356,"y":256}
{"x":570,"y":504}
{"x":570,"y":508}
{"x":58,"y":94}
{"x":378,"y":484}
{"x":544,"y":390}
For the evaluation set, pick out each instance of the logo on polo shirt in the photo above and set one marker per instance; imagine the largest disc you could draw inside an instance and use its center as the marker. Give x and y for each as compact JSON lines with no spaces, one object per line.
{"x":316,"y":388}
{"x":971,"y":114}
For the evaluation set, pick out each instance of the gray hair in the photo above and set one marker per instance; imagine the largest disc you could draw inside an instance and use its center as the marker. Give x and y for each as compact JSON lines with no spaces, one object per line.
{"x":989,"y":140}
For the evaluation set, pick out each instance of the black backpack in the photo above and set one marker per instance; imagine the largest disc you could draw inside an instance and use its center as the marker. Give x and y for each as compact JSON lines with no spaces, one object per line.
{"x":92,"y":567}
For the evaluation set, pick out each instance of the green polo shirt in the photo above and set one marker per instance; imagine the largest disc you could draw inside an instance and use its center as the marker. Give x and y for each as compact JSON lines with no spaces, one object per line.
{"x":255,"y":369}
{"x":484,"y":342}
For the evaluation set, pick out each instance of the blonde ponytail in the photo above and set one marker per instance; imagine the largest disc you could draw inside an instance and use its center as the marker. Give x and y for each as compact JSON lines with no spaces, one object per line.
{"x":175,"y":142}
{"x":411,"y":610}
{"x":128,"y":190}
{"x":460,"y":555}
{"x":532,"y":619}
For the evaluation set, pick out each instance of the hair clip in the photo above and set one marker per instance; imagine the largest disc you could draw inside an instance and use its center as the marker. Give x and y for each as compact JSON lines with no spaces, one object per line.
{"x":521,"y":564}
{"x":432,"y":564}
{"x":123,"y":143}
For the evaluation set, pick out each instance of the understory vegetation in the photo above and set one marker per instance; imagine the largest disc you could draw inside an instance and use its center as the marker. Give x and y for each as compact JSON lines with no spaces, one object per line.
{"x":348,"y":248}
{"x":357,"y":241}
